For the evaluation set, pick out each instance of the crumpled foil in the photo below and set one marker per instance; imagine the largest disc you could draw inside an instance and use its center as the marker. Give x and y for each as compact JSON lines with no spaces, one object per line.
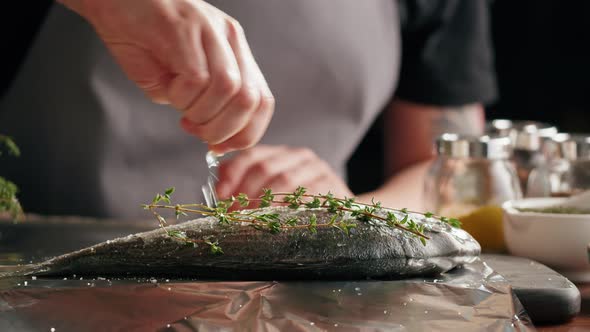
{"x":471,"y":298}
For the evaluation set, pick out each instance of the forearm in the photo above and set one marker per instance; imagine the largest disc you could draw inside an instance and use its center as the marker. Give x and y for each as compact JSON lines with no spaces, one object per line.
{"x":402,"y":190}
{"x":411,"y":130}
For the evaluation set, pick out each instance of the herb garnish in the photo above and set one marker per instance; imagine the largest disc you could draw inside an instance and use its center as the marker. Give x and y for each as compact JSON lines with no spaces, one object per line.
{"x":347,"y":214}
{"x":8,"y":190}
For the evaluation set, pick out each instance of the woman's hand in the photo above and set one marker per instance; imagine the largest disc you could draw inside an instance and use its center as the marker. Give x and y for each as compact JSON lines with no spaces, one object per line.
{"x":279,"y":168}
{"x":189,"y":54}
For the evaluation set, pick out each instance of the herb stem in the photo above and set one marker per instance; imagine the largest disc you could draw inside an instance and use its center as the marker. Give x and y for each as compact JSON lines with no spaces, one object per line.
{"x":347,"y":214}
{"x":374,"y":216}
{"x":355,"y":203}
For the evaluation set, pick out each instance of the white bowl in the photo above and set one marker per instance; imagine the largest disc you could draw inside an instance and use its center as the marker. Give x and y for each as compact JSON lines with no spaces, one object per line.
{"x":554,"y":239}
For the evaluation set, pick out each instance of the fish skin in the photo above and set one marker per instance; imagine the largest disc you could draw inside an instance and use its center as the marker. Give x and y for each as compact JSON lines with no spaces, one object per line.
{"x":370,"y":251}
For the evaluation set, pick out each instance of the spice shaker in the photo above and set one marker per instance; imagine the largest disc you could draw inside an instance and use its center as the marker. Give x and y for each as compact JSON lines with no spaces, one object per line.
{"x":470,"y":179}
{"x":529,"y":139}
{"x":510,"y":128}
{"x":568,"y":172}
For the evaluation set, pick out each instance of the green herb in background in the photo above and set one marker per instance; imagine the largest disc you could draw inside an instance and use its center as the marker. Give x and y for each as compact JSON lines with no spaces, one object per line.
{"x":373,"y":214}
{"x":556,"y":209}
{"x":8,"y":190}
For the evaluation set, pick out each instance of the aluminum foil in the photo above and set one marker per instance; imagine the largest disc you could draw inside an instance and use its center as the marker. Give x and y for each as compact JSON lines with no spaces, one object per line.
{"x":472,"y":298}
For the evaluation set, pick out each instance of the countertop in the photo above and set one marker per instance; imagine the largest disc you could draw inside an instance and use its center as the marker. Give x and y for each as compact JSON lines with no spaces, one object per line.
{"x":581,"y":322}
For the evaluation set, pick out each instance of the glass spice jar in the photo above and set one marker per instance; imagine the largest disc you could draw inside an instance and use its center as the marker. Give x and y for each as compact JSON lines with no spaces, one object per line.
{"x":529,"y":140}
{"x":470,"y":179}
{"x":567,"y":172}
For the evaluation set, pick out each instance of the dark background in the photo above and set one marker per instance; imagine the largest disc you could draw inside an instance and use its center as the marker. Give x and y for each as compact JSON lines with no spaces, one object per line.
{"x":543,"y":73}
{"x":542,"y":63}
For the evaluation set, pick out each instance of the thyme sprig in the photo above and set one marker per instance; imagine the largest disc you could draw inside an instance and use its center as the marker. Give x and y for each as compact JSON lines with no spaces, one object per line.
{"x":9,"y":203}
{"x":347,"y":214}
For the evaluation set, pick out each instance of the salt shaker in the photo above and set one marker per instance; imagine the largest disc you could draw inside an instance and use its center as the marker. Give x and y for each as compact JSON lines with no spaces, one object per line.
{"x":529,"y":139}
{"x":567,"y":172}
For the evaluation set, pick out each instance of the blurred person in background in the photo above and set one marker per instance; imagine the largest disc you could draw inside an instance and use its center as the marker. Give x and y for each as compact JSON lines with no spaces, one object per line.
{"x":93,"y":144}
{"x":542,"y":71}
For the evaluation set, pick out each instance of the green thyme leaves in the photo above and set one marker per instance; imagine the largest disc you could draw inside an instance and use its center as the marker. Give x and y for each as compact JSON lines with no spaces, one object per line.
{"x":9,"y":145}
{"x":214,"y":247}
{"x":9,"y":203}
{"x":347,"y":214}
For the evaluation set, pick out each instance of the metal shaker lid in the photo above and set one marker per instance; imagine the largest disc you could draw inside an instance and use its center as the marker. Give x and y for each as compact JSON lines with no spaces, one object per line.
{"x":573,"y":146}
{"x":464,"y":146}
{"x":499,"y":127}
{"x":525,"y":135}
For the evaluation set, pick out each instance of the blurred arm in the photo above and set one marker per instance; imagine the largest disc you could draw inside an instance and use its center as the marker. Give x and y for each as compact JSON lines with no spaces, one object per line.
{"x":410,"y":131}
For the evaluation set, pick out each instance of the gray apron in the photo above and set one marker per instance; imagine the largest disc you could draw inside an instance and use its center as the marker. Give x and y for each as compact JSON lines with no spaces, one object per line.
{"x":92,"y":144}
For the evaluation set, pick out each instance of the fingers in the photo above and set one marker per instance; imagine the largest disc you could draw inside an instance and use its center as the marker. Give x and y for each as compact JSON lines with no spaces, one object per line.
{"x":232,"y":171}
{"x":327,"y":182}
{"x":252,"y":133}
{"x":225,"y":78}
{"x":298,"y":175}
{"x":242,"y":121}
{"x":230,"y":121}
{"x":239,"y":111}
{"x":280,"y":168}
{"x":194,"y":76}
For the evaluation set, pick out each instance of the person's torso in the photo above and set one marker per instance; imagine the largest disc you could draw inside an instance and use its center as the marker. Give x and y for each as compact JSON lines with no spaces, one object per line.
{"x":94,"y":145}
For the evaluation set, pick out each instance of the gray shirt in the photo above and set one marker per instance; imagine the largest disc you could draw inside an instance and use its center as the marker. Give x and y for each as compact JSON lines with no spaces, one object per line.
{"x":92,"y":144}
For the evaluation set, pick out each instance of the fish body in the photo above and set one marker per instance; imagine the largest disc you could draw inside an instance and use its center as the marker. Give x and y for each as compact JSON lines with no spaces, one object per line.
{"x":370,"y":250}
